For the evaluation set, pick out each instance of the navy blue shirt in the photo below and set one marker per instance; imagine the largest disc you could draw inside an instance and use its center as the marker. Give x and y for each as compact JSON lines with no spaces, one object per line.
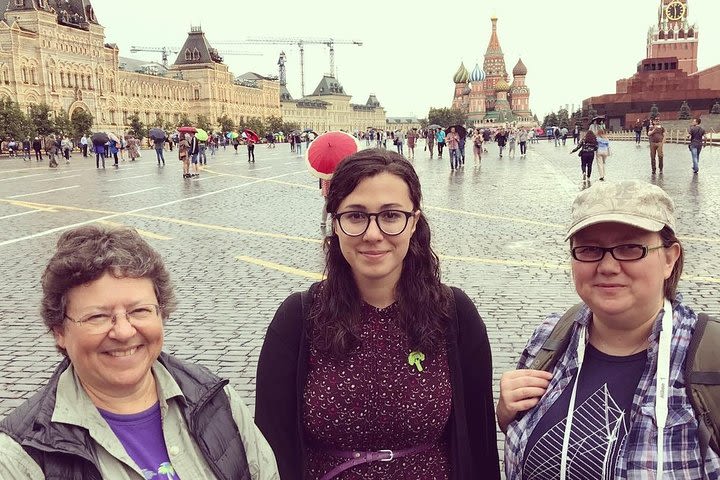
{"x":601,"y":420}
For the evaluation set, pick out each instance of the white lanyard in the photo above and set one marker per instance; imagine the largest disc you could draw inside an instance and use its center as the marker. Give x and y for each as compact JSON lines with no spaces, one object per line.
{"x":662,"y":380}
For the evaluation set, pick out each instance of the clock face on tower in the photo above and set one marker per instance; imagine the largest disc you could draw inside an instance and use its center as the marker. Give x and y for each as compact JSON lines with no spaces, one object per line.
{"x":675,"y":10}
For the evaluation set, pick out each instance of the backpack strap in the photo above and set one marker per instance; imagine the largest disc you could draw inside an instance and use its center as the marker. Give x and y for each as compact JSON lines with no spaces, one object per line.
{"x":556,"y":344}
{"x":702,"y":381}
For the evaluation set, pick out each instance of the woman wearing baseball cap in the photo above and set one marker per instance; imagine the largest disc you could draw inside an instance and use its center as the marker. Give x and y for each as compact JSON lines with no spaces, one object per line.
{"x":596,"y":414}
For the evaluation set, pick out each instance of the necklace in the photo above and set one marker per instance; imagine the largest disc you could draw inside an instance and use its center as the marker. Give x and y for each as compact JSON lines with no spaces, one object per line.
{"x":599,"y":344}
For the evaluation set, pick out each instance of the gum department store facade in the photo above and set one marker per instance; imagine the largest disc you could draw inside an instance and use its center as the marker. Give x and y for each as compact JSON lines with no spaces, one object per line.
{"x":54,"y":52}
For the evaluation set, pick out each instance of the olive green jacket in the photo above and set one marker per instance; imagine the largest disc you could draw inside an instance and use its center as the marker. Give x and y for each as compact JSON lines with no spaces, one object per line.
{"x":73,"y":406}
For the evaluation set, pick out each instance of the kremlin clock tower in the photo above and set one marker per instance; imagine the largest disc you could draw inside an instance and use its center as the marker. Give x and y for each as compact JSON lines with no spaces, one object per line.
{"x":674,"y":36}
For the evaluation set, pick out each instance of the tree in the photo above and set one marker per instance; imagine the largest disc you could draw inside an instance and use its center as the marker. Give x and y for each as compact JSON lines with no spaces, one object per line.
{"x":203,"y":122}
{"x":685,"y":112}
{"x":62,"y":124}
{"x":551,"y":120}
{"x":446,"y":116}
{"x":82,"y":123}
{"x":137,"y":128}
{"x":563,"y":118}
{"x":274,"y":124}
{"x":40,"y":120}
{"x":184,"y":121}
{"x":255,"y":124}
{"x":226,"y":123}
{"x":288,"y":127}
{"x":13,"y":121}
{"x":424,"y":123}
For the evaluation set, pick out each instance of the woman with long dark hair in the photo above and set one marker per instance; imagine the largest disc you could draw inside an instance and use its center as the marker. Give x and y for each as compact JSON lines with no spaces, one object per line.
{"x":379,"y":371}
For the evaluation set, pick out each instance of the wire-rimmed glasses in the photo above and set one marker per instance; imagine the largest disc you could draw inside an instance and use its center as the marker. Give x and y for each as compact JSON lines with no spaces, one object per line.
{"x":100,"y":322}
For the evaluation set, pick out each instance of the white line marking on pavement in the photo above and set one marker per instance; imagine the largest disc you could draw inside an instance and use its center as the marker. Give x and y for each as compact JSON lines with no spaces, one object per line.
{"x":18,"y":214}
{"x":44,"y":191}
{"x":18,"y":178}
{"x":138,"y":210}
{"x":59,"y":177}
{"x":290,"y":163}
{"x":258,"y":169}
{"x":128,"y":178}
{"x":133,"y":193}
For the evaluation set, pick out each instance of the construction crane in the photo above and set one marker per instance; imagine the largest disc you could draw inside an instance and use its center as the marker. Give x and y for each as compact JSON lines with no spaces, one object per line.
{"x":300,"y":42}
{"x":167,"y":51}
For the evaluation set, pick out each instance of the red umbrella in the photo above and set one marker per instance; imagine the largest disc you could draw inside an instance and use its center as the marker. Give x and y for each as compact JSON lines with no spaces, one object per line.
{"x":327,"y":151}
{"x":187,"y":129}
{"x":254,"y":137}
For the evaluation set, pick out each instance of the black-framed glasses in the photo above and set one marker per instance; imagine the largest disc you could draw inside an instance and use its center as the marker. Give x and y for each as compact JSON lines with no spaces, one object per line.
{"x":390,"y":222}
{"x":628,"y":252}
{"x":100,"y":322}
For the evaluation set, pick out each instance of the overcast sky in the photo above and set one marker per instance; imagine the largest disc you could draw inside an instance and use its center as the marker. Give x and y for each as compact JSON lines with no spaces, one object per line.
{"x":573,"y":49}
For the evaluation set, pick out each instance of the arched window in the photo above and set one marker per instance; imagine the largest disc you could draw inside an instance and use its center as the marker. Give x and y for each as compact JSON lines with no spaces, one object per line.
{"x":188,"y":54}
{"x":24,"y":75}
{"x":195,"y":54}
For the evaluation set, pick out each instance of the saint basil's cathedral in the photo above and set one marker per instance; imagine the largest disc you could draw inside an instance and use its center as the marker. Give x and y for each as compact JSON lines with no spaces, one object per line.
{"x":485,"y":94}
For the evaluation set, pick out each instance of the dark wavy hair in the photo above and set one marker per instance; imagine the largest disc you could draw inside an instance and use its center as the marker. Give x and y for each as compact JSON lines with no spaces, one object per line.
{"x":86,"y":253}
{"x":423,"y":302}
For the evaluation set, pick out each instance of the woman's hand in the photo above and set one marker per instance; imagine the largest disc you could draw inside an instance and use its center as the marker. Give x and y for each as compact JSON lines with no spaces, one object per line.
{"x":520,"y":390}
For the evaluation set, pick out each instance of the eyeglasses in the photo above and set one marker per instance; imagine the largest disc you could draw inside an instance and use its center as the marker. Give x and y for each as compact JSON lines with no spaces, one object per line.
{"x":102,"y":322}
{"x":390,"y":222}
{"x":623,"y":253}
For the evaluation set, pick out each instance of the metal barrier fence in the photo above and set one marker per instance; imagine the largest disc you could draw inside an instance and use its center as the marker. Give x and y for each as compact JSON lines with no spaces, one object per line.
{"x":671,"y":136}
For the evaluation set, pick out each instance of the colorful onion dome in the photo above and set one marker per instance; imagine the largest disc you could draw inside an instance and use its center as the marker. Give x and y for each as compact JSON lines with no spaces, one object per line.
{"x":478,"y":74}
{"x":520,"y":69}
{"x":502,"y":86}
{"x":462,"y":75}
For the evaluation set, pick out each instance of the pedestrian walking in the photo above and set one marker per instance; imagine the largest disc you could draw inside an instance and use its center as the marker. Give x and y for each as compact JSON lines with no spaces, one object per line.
{"x":412,"y":137}
{"x":452,"y":139}
{"x":133,"y":145}
{"x":26,"y":149}
{"x":638,"y":128}
{"x":52,"y":148}
{"x":184,"y":154}
{"x":84,"y":145}
{"x":159,"y":150}
{"x":576,"y":134}
{"x":37,"y":148}
{"x":114,"y":146}
{"x":477,"y":140}
{"x":656,"y":134}
{"x":512,"y":140}
{"x":603,"y":152}
{"x":587,"y":146}
{"x":250,"y":149}
{"x":66,"y":146}
{"x":501,"y":139}
{"x":522,"y":140}
{"x":399,"y":141}
{"x":697,"y":137}
{"x":379,"y":360}
{"x":202,"y":157}
{"x":564,"y":135}
{"x":430,"y":142}
{"x":298,"y":144}
{"x":193,"y":152}
{"x":99,"y":154}
{"x":440,"y":137}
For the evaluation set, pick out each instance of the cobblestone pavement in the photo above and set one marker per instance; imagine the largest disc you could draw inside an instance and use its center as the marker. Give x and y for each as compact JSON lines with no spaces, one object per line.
{"x":243,"y":236}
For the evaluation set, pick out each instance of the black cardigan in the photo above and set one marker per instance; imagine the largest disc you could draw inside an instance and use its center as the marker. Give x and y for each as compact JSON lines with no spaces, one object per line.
{"x":282,"y":374}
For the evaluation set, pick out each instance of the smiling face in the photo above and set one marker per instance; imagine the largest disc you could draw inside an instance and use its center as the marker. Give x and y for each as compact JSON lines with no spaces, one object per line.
{"x":376,"y":258}
{"x":117,"y":362}
{"x":624,"y":294}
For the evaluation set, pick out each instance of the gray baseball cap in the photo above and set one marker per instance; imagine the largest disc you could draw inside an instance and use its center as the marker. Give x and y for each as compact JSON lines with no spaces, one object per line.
{"x":635,"y":203}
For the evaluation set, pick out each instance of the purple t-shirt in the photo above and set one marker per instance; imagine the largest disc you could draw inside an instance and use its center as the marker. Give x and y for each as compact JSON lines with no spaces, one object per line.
{"x":141,"y":435}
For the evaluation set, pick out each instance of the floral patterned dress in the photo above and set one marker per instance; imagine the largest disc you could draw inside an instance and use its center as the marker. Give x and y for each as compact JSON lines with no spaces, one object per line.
{"x":372,"y":399}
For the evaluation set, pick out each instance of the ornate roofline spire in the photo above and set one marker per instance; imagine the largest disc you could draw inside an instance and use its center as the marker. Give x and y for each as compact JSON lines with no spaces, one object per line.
{"x":494,"y":44}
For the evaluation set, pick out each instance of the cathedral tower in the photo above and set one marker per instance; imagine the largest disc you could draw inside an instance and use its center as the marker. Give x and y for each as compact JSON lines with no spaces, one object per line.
{"x":520,"y":93}
{"x":460,"y":79}
{"x":476,"y":110}
{"x":494,"y":65}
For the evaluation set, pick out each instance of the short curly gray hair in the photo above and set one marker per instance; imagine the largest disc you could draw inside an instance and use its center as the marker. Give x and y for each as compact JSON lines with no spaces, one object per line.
{"x":85,"y":253}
